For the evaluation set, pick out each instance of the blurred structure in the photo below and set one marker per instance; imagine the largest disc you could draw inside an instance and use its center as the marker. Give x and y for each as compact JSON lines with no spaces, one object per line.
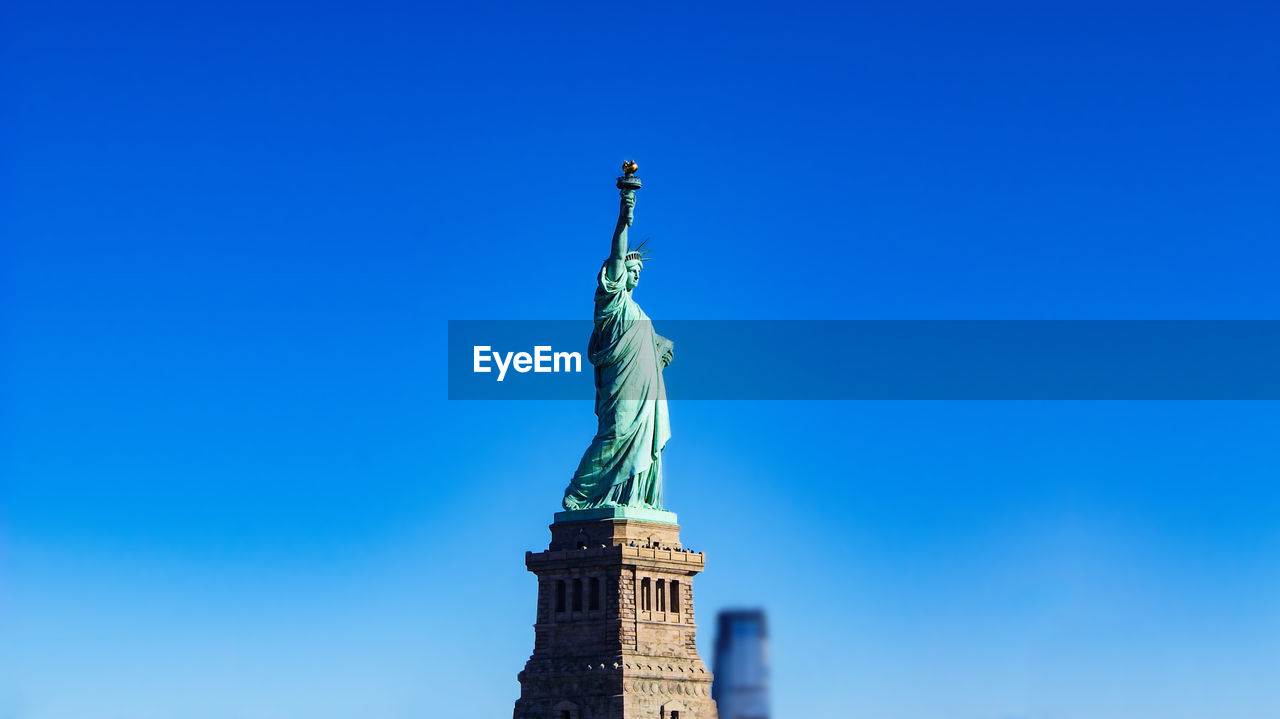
{"x":741,"y":686}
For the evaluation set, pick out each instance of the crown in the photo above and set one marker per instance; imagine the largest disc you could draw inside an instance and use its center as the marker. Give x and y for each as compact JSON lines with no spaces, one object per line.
{"x":639,"y":254}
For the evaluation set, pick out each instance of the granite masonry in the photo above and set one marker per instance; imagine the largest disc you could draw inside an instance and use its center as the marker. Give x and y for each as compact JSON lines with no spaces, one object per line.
{"x":614,"y":637}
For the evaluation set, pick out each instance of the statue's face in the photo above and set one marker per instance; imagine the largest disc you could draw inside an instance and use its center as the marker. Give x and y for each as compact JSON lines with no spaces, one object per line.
{"x":633,"y":275}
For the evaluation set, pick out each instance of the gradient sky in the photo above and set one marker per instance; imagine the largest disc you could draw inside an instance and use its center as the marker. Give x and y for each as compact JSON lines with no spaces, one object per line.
{"x":233,"y":233}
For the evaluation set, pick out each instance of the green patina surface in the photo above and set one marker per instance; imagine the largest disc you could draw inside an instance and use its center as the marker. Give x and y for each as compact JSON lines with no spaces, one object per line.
{"x":623,"y":465}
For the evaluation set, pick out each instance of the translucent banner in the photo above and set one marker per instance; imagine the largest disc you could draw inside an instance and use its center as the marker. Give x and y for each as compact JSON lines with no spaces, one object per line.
{"x":923,"y":359}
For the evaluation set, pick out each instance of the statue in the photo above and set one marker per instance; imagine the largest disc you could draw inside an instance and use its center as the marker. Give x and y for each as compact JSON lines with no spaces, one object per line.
{"x":623,"y":465}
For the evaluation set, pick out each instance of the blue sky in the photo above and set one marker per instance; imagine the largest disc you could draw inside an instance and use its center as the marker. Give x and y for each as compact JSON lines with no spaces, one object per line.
{"x":232,"y":485}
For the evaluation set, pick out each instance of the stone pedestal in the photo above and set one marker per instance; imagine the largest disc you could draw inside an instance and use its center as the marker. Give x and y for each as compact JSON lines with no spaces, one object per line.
{"x":614,"y":637}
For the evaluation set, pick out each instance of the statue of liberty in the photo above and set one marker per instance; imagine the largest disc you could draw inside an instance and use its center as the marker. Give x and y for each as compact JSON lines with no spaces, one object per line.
{"x":623,"y":465}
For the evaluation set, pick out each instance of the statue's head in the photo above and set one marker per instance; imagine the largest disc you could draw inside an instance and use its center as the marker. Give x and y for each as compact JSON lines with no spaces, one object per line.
{"x":635,"y":262}
{"x":633,"y":273}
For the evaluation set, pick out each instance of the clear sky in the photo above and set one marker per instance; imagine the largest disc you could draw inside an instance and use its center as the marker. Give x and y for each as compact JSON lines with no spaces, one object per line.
{"x":233,"y":233}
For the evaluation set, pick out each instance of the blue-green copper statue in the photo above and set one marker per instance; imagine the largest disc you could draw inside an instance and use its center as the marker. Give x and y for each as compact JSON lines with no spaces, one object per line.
{"x":623,"y":465}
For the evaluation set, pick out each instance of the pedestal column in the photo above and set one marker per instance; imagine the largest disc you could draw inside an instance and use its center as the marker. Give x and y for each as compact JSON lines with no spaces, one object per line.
{"x":604,"y":646}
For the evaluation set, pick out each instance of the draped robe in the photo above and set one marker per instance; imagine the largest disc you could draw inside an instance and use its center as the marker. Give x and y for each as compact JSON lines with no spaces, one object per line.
{"x":623,"y":465}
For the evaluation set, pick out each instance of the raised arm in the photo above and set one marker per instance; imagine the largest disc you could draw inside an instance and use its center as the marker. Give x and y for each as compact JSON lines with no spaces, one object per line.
{"x":616,"y":267}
